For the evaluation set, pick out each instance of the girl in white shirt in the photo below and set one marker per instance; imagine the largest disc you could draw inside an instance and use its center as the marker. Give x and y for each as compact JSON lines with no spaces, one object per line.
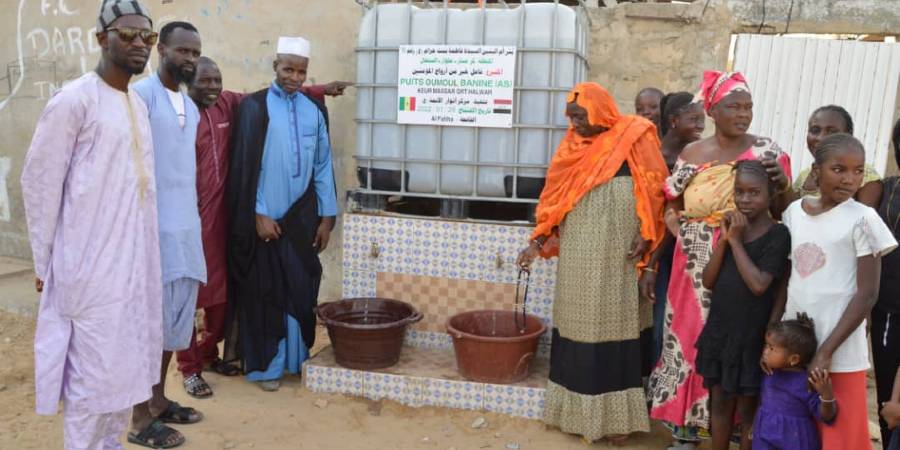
{"x":836,"y":245}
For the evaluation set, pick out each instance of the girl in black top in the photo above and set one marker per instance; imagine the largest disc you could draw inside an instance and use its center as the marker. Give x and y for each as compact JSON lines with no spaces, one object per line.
{"x":751,"y":255}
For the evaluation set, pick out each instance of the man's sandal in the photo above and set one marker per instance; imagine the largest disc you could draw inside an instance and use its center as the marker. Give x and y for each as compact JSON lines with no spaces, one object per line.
{"x":156,"y":435}
{"x":176,"y":413}
{"x":197,"y":387}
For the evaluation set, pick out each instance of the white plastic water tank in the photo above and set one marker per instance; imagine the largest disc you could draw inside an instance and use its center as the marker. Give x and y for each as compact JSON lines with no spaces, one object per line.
{"x":551,"y":41}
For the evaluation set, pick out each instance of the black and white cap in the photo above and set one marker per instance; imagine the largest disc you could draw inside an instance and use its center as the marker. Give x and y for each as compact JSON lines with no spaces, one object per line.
{"x":113,"y":9}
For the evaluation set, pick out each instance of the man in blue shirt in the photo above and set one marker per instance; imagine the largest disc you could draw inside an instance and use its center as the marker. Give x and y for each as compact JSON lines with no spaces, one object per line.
{"x":283,"y":204}
{"x":173,"y":121}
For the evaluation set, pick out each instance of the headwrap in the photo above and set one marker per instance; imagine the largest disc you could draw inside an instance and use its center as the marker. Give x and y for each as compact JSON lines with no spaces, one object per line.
{"x":717,"y":85}
{"x":111,"y":10}
{"x":583,"y":163}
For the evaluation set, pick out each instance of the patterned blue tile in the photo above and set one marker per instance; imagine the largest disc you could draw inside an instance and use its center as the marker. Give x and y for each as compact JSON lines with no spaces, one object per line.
{"x":428,"y":339}
{"x":334,"y":380}
{"x":434,"y":244}
{"x":403,"y":389}
{"x":453,"y":394}
{"x":406,"y":246}
{"x":540,"y":301}
{"x":544,"y":270}
{"x":357,"y":245}
{"x":465,"y":263}
{"x":505,"y":244}
{"x":358,"y":283}
{"x":514,"y":400}
{"x":464,"y":249}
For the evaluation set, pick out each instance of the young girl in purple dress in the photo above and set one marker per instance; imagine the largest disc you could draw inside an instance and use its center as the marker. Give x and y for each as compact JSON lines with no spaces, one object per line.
{"x":788,"y":410}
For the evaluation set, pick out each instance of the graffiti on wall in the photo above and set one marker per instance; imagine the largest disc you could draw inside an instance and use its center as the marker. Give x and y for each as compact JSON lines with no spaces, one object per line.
{"x":54,"y":43}
{"x":49,"y":41}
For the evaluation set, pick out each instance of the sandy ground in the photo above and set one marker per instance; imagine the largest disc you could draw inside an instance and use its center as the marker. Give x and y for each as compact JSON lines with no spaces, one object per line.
{"x":241,"y":416}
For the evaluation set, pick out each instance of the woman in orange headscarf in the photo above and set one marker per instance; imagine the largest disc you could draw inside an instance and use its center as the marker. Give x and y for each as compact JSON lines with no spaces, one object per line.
{"x":601,"y":212}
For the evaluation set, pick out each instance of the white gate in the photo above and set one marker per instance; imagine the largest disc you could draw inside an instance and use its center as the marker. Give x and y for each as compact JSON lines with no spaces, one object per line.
{"x":790,"y":77}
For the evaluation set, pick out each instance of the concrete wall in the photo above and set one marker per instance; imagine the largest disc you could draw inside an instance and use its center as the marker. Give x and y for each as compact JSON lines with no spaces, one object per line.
{"x":46,"y":42}
{"x":667,"y":46}
{"x":818,"y":16}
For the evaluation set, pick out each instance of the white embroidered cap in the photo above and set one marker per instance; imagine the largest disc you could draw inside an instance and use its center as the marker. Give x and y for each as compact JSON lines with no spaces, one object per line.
{"x":293,"y":46}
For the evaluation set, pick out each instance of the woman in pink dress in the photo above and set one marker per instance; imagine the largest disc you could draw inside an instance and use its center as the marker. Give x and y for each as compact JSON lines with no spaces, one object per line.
{"x":700,"y":192}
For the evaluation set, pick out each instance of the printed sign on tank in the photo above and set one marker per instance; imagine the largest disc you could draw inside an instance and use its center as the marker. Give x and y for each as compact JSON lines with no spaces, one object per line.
{"x":458,"y":85}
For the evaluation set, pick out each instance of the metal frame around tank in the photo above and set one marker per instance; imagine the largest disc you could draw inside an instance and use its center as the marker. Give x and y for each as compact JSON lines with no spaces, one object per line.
{"x":580,"y":67}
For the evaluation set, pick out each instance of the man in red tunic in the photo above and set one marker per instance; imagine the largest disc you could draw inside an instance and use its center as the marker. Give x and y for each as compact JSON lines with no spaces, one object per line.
{"x":217,"y":111}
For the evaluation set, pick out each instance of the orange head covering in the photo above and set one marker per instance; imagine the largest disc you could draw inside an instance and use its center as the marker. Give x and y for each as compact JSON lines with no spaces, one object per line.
{"x":600,"y":106}
{"x":583,"y":163}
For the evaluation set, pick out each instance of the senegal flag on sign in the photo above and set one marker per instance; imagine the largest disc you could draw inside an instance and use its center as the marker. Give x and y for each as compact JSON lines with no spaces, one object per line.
{"x":407,"y":103}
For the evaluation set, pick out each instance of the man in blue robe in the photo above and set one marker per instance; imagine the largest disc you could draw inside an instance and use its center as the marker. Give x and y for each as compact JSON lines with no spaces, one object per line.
{"x":282,"y":203}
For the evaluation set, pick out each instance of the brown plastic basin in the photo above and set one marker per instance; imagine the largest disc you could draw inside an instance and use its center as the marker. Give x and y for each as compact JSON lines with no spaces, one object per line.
{"x":490,"y":347}
{"x":367,"y":333}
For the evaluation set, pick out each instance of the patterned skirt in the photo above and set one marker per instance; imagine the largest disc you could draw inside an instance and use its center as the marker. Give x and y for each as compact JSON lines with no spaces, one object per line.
{"x":676,"y":389}
{"x":602,"y":339}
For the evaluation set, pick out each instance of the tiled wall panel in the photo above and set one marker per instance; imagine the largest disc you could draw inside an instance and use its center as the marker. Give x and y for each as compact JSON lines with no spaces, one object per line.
{"x":418,"y":260}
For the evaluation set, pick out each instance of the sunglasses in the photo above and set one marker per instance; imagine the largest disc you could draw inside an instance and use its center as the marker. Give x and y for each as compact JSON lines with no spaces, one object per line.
{"x":128,"y":34}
